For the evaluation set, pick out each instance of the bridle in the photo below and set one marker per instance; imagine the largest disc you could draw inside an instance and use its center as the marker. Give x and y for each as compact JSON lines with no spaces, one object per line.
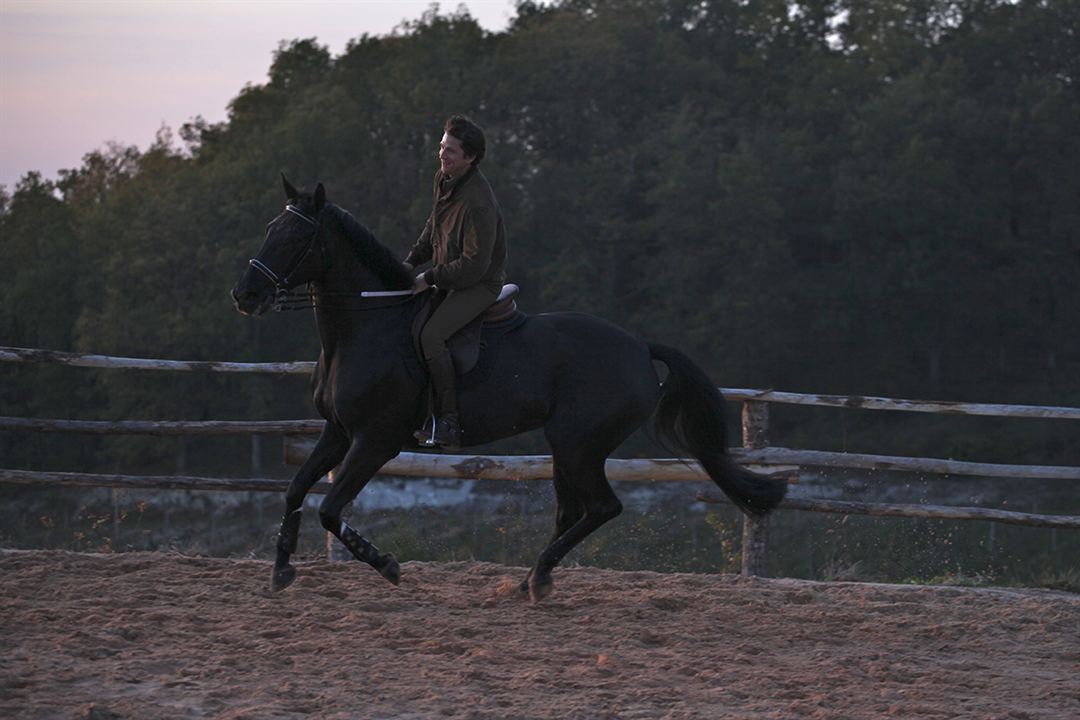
{"x":281,"y":282}
{"x":282,"y":298}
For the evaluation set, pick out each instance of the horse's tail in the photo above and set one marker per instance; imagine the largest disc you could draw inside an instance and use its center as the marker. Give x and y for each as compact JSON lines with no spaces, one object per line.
{"x":690,"y":416}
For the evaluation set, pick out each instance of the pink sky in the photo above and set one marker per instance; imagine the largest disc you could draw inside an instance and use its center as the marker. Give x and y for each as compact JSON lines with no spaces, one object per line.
{"x":76,"y":74}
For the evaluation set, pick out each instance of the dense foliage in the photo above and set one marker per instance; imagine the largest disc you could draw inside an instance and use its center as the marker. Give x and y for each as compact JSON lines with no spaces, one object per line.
{"x":874,"y":197}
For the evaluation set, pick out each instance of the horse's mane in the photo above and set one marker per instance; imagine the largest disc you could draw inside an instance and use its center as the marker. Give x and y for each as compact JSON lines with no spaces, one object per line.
{"x":375,"y":256}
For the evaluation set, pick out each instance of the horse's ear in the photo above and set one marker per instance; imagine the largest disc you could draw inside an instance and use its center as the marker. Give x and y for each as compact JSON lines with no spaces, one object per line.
{"x":320,"y":197}
{"x":290,"y":191}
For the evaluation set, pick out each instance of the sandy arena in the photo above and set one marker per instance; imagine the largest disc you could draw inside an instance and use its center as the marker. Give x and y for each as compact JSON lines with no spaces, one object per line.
{"x":147,"y":635}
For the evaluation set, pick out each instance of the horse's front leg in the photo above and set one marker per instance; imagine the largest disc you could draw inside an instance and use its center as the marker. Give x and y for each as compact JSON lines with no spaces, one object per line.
{"x":328,"y":452}
{"x":358,"y":467}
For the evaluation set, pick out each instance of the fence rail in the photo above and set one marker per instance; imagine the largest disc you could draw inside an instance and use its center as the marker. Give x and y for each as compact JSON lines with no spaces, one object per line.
{"x":298,"y":448}
{"x":938,"y":407}
{"x":183,"y":482}
{"x":849,"y":402}
{"x":539,"y":466}
{"x":165,"y":427}
{"x":783,"y":462}
{"x":33,"y":355}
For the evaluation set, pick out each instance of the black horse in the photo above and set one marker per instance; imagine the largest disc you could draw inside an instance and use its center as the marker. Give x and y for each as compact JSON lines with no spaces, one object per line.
{"x":586,"y":382}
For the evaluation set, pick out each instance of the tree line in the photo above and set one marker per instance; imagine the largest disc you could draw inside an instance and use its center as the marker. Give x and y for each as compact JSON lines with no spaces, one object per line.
{"x":878,"y":197}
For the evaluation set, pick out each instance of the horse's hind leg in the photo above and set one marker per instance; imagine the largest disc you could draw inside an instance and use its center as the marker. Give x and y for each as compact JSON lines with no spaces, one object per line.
{"x":328,"y":452}
{"x":588,"y":484}
{"x":569,"y":509}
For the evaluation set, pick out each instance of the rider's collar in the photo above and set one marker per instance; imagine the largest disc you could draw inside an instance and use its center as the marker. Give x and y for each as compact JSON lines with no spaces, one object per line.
{"x":448,"y":184}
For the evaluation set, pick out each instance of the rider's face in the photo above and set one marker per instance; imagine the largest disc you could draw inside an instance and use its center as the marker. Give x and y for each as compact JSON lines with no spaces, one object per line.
{"x":452,"y":158}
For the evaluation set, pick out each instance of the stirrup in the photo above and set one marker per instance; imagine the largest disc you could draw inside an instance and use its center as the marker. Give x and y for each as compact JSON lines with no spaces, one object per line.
{"x":425,"y":436}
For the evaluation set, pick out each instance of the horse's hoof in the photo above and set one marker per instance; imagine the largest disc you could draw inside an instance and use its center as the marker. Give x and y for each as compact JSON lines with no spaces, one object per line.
{"x":540,"y":587}
{"x":523,"y":588}
{"x":282,"y":577}
{"x":390,"y":569}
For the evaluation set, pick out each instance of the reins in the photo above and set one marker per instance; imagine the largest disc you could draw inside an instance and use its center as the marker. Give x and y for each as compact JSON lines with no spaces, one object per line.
{"x":298,"y":300}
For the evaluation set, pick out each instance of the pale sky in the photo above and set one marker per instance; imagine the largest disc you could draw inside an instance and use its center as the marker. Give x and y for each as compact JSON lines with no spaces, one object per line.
{"x":76,"y":74}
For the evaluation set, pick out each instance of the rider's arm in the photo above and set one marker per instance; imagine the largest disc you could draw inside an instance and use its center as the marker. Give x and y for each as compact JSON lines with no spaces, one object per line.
{"x":422,"y":251}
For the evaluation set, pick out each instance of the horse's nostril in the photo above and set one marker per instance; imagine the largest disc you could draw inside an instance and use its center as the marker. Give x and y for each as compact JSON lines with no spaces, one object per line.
{"x":241,"y":297}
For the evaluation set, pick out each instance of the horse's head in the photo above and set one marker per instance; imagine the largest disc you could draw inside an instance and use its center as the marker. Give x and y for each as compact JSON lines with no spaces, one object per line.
{"x":292,"y":254}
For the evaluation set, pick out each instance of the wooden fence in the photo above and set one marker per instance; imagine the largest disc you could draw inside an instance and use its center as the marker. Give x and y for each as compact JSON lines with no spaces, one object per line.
{"x":756,"y":450}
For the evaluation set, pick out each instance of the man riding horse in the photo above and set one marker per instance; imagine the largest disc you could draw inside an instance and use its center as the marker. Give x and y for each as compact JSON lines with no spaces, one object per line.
{"x":586,"y":383}
{"x":465,"y":238}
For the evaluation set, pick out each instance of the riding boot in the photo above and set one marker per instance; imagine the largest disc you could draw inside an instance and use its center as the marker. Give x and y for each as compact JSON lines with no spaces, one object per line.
{"x":444,"y":383}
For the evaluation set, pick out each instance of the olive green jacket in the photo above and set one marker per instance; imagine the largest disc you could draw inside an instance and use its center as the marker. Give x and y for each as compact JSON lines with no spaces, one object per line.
{"x":464,"y":236}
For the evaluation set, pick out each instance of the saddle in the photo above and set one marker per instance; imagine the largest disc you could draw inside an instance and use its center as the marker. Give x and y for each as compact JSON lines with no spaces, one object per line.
{"x":464,"y":346}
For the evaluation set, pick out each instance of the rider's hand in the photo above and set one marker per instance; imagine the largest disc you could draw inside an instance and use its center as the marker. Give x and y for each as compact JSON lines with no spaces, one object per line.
{"x":420,"y":284}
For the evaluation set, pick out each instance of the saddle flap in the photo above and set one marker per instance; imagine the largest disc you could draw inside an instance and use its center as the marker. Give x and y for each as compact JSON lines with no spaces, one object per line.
{"x":464,"y":346}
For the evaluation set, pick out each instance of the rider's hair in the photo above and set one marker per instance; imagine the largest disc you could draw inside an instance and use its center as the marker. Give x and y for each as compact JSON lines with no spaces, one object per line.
{"x":469,"y":135}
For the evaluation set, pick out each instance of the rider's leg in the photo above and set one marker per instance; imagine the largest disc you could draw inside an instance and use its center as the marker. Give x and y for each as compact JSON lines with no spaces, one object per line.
{"x":443,"y":374}
{"x":456,"y":311}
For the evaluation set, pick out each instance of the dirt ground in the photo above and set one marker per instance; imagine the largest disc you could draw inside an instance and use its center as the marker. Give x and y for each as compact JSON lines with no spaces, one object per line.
{"x":149,"y":635}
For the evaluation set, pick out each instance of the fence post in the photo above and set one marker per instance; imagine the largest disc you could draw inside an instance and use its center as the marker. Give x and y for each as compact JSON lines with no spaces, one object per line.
{"x":256,"y":456}
{"x":335,"y":551}
{"x":115,"y":520}
{"x":755,"y":535}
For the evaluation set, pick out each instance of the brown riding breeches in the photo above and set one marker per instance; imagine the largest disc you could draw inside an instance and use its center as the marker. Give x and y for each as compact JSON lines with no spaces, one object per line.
{"x":455,"y":312}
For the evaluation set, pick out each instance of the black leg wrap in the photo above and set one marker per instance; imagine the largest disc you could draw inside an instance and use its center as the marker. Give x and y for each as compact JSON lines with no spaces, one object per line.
{"x":284,"y":574}
{"x":363,"y":550}
{"x":358,"y":546}
{"x":289,"y":533}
